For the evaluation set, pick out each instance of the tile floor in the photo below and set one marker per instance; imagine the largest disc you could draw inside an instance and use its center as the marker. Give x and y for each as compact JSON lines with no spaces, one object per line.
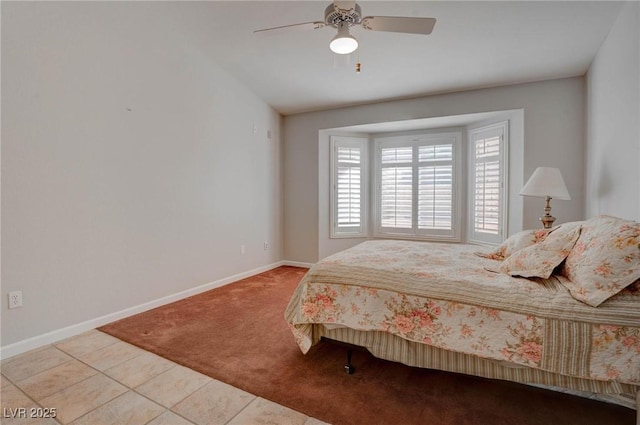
{"x":96,"y":379}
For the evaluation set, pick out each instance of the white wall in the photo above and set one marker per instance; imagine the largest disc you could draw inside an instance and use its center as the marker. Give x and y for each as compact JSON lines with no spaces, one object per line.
{"x":553,"y":136}
{"x":613,"y":117}
{"x":130,"y":169}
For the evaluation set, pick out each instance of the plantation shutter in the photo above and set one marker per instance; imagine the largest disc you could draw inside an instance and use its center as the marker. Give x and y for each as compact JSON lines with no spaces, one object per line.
{"x":348,"y":186}
{"x":416,"y":186}
{"x":348,"y":155}
{"x":396,"y":188}
{"x":488,"y":194}
{"x":435,"y":187}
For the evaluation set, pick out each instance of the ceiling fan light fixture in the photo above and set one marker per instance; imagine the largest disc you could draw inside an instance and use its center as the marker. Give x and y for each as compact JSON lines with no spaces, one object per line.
{"x":343,"y":43}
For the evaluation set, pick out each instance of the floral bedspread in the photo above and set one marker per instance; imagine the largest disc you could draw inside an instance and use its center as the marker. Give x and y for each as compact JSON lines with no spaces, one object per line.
{"x":445,"y":296}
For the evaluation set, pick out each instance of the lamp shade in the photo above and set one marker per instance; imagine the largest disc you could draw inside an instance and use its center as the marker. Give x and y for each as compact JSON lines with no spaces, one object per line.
{"x":343,"y":43}
{"x":546,"y":181}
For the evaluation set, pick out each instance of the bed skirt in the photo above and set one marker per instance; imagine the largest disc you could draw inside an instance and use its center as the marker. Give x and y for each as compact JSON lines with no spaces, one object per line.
{"x":390,"y":347}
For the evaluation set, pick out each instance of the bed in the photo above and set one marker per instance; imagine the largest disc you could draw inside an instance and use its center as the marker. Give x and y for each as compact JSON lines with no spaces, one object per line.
{"x":557,"y":307}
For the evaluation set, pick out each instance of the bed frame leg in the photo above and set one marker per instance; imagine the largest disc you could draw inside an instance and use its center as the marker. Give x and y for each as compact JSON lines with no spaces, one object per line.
{"x":638,"y":407}
{"x":348,"y":368}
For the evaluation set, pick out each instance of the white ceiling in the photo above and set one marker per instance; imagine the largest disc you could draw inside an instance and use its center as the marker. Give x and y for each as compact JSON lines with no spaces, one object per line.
{"x":474,"y":44}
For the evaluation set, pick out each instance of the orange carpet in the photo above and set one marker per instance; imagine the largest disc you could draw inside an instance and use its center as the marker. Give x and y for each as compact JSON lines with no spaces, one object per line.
{"x":237,"y":334}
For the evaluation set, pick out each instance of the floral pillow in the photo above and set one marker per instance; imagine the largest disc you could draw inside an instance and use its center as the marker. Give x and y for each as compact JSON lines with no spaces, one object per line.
{"x":515,"y":243}
{"x":540,"y":259}
{"x":604,"y":261}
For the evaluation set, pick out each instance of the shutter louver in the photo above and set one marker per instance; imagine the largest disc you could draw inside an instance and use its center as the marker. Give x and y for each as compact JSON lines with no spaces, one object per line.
{"x":435,"y":187}
{"x":396,"y":188}
{"x":348,"y":187}
{"x":396,"y":193}
{"x":435,"y":190}
{"x":348,"y":196}
{"x":487,"y":186}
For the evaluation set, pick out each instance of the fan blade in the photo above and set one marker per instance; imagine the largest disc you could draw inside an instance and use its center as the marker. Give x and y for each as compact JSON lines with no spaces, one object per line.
{"x":399,"y":24}
{"x":291,"y":28}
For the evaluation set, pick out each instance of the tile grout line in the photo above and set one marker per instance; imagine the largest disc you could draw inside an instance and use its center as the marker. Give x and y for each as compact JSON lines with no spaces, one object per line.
{"x":255,"y":397}
{"x":170,"y":409}
{"x":128,"y":389}
{"x":74,"y":357}
{"x":27,"y":395}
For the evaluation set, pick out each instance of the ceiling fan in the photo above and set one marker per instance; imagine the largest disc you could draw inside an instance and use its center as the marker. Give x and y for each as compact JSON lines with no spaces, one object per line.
{"x":344,"y":14}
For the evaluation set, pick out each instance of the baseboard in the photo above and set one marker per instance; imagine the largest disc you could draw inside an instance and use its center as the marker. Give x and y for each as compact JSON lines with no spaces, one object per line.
{"x":297,"y":264}
{"x":69,"y":331}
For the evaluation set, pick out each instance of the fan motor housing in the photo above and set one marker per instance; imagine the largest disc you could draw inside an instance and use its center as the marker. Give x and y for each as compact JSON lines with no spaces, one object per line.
{"x":333,"y":15}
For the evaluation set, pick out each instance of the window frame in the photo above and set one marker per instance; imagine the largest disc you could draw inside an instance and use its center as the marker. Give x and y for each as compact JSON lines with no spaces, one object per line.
{"x":443,"y":136}
{"x":479,"y":133}
{"x":362,"y":143}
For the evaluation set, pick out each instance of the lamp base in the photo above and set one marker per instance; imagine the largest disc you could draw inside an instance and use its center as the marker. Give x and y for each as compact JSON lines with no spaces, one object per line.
{"x":547,"y":219}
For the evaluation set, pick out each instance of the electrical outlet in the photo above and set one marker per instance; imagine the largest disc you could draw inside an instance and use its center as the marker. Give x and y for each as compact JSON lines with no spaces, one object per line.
{"x":266,"y":246}
{"x":15,"y":299}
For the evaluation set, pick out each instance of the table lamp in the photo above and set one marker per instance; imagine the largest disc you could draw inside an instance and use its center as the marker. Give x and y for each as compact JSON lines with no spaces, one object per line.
{"x":546,"y":182}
